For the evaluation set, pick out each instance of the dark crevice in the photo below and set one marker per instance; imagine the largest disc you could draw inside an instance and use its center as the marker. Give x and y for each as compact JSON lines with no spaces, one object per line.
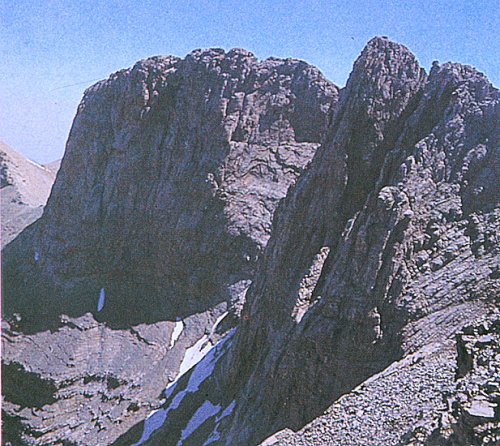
{"x":26,"y":388}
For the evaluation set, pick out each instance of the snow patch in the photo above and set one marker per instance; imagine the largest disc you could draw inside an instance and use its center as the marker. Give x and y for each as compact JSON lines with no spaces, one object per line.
{"x":157,"y":418}
{"x":227,"y":411}
{"x":198,"y":351}
{"x":204,"y":412}
{"x":218,"y":321}
{"x":215,"y":435}
{"x":34,"y":163}
{"x":207,"y":365}
{"x":179,"y":327}
{"x":194,"y":354}
{"x":102,"y":297}
{"x":153,"y":422}
{"x":201,"y":371}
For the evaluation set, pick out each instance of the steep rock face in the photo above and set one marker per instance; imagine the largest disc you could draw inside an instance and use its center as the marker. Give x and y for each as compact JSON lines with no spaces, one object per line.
{"x":164,"y":199}
{"x":382,"y":251}
{"x":171,"y":167}
{"x":412,"y":258}
{"x":25,"y":188}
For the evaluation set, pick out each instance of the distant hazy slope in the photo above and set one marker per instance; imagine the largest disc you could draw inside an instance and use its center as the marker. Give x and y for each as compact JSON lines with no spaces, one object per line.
{"x":53,"y":166}
{"x":25,"y":188}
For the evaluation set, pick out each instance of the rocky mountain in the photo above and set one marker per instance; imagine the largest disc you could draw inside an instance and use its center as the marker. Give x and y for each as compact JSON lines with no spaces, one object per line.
{"x":410,"y":229}
{"x":168,"y":297}
{"x":382,"y":267}
{"x":25,"y":188}
{"x":162,"y":204}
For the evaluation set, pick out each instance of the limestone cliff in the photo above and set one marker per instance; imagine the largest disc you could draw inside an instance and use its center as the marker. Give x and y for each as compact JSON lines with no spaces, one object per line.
{"x":164,"y":200}
{"x":384,"y":249}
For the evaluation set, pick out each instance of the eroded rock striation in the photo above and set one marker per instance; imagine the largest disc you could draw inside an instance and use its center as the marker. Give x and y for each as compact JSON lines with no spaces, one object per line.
{"x":413,"y":251}
{"x":384,"y":249}
{"x":164,"y":200}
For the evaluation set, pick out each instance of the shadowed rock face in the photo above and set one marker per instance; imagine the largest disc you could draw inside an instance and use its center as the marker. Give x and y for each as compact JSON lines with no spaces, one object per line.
{"x":171,"y":174}
{"x":404,"y":268}
{"x":380,"y":253}
{"x":163,"y":201}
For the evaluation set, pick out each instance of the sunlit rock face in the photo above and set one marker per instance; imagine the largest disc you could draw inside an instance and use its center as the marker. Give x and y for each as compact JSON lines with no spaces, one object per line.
{"x":409,"y":213}
{"x":24,"y":189}
{"x":164,"y":199}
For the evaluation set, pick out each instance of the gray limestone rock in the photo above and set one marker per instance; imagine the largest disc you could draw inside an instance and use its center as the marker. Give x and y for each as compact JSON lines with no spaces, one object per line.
{"x":403,"y":197}
{"x":165,"y":195}
{"x":376,"y":304}
{"x":162,"y":204}
{"x":366,"y":303}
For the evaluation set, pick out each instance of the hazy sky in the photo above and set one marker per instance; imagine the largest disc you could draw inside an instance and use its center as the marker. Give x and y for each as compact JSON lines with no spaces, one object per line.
{"x":50,"y":51}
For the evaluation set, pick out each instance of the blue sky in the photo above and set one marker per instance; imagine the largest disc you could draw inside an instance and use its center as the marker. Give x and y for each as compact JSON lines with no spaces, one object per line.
{"x":51,"y":50}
